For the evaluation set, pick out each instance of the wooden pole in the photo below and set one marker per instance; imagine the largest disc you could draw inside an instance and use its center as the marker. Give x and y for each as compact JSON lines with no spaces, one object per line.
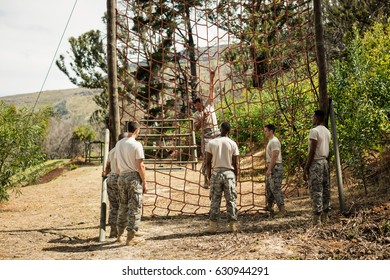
{"x":339,"y":174}
{"x":114,"y":122}
{"x":321,"y":60}
{"x":103,"y":197}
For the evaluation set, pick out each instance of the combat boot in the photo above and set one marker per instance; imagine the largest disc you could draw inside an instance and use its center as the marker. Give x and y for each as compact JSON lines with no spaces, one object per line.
{"x":282,"y":211}
{"x":113,"y":231}
{"x":212,"y":227}
{"x":324,"y":217}
{"x":119,"y":234}
{"x":233,"y":226}
{"x":133,"y":238}
{"x":130,"y":236}
{"x":316,"y":220}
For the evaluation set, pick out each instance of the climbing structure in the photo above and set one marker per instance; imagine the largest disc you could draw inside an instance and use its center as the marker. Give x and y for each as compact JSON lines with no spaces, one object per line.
{"x":263,"y":55}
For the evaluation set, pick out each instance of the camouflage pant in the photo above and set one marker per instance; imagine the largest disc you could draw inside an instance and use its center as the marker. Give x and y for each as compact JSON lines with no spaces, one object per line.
{"x":113,"y":197}
{"x":223,"y":181}
{"x":130,"y":201}
{"x":273,"y":186}
{"x":319,"y":186}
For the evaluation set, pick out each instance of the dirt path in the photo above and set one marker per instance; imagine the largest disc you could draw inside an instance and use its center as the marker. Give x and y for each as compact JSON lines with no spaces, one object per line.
{"x":60,"y":220}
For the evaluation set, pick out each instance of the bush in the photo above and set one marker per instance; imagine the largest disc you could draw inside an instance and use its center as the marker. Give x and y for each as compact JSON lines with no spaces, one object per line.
{"x":21,"y":136}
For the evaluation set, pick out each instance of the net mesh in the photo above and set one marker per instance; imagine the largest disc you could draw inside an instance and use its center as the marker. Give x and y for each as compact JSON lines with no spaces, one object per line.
{"x":263,"y":56}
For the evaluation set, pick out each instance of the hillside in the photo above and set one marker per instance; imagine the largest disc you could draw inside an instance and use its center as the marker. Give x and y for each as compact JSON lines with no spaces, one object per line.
{"x":68,"y":103}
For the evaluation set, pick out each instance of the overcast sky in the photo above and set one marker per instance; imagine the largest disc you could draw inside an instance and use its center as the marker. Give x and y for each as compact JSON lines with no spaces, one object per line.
{"x":30,"y":33}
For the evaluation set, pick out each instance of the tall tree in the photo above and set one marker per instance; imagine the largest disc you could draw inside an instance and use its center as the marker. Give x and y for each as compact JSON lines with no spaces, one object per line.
{"x":360,"y":87}
{"x":88,"y":61}
{"x":163,"y":34}
{"x":342,"y":15}
{"x":88,"y":68}
{"x":269,"y":34}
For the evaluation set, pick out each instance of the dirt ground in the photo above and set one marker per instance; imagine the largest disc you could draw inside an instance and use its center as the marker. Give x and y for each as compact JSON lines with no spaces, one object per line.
{"x":59,"y":219}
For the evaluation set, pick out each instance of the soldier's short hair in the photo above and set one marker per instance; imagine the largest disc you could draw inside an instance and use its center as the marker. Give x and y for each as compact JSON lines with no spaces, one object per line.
{"x":225,"y":126}
{"x":132,"y":126}
{"x":270,"y":127}
{"x":320,"y":115}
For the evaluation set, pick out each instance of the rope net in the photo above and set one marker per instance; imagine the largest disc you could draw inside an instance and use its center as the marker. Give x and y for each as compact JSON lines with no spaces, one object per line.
{"x":263,"y":56}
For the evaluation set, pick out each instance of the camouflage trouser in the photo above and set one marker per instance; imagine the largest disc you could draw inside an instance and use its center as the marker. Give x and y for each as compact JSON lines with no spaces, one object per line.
{"x":223,"y":181}
{"x":113,"y":197}
{"x":273,"y":186}
{"x":130,"y":201}
{"x":319,"y":186}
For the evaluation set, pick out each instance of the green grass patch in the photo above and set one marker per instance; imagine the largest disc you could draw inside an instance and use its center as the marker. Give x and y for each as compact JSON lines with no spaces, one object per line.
{"x":32,"y":174}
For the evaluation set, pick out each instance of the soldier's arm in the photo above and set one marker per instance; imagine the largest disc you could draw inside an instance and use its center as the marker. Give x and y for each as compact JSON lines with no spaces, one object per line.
{"x":211,"y":88}
{"x":142,"y":173}
{"x":310,"y":158}
{"x":209,"y":158}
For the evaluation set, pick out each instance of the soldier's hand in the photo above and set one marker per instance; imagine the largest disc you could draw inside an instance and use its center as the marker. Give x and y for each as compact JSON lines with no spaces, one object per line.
{"x":144,"y":187}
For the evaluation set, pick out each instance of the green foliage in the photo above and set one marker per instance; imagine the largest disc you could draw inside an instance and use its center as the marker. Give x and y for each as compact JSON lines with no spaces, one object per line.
{"x":341,"y":16}
{"x":33,"y":173}
{"x":73,"y":166}
{"x":89,"y":61}
{"x":21,"y":136}
{"x":289,"y":108}
{"x":267,"y":36}
{"x":84,"y":133}
{"x":88,"y":68}
{"x":360,"y":87}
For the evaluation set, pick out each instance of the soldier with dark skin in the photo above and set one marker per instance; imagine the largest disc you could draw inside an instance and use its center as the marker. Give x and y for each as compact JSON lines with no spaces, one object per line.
{"x":222,"y":171}
{"x":316,"y":170}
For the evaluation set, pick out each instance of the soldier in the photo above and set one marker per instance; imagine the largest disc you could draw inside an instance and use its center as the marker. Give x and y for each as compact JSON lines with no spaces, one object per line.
{"x":206,"y":119}
{"x":129,"y":155}
{"x":222,"y":170}
{"x":274,"y":173}
{"x":317,"y":169}
{"x":112,"y":174}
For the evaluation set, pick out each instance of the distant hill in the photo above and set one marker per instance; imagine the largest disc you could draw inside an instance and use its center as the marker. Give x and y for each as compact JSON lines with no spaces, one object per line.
{"x":68,"y":103}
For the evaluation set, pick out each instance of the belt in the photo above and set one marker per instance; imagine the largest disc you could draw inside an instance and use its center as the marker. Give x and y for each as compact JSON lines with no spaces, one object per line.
{"x":129,"y":172}
{"x":222,"y":169}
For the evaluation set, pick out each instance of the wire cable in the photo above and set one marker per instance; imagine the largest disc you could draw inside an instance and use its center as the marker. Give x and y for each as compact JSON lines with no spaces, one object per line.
{"x":54,"y":57}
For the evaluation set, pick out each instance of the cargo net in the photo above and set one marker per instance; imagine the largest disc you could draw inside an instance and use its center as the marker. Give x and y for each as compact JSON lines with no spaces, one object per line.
{"x":263,"y":56}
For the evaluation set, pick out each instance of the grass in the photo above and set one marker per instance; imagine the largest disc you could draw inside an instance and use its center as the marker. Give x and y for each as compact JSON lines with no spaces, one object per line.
{"x":32,"y":174}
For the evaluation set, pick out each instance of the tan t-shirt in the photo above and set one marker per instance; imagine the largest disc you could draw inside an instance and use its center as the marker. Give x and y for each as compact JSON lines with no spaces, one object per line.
{"x":273,"y":145}
{"x":210,"y":122}
{"x":222,"y":149}
{"x":322,"y":135}
{"x":111,"y":160}
{"x":127,"y":151}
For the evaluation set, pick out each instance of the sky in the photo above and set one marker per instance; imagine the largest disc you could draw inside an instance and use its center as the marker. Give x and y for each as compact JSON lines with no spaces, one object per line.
{"x":31,"y":31}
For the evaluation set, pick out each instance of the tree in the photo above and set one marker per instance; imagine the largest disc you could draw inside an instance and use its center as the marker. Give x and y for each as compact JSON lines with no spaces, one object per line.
{"x":21,"y":136}
{"x":88,"y":68}
{"x":82,"y":133}
{"x":88,"y":61}
{"x":340,"y":16}
{"x":269,"y":36}
{"x":360,"y":87}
